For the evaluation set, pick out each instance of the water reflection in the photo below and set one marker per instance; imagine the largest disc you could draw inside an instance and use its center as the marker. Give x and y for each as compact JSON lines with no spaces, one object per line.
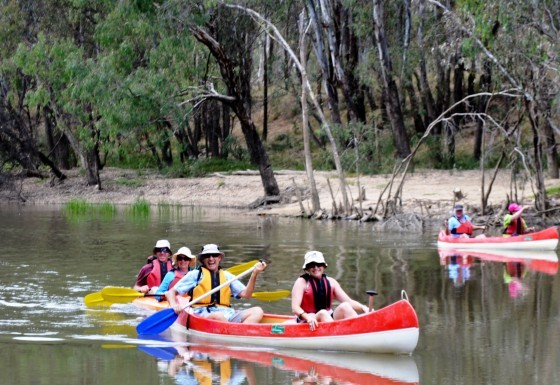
{"x":189,"y":362}
{"x":516,"y":265}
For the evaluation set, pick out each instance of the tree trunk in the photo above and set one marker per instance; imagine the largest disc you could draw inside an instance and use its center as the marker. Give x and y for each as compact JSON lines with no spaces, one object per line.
{"x":238,"y":93}
{"x":327,"y":75}
{"x":425,"y":91}
{"x":484,"y":85}
{"x":266,"y":39}
{"x":315,"y":203}
{"x":391,"y":91}
{"x":551,"y":152}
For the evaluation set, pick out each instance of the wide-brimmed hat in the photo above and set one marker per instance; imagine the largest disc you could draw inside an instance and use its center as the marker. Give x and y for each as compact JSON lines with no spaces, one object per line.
{"x":161,"y":244}
{"x":182,"y":251}
{"x":211,"y":249}
{"x":313,"y":256}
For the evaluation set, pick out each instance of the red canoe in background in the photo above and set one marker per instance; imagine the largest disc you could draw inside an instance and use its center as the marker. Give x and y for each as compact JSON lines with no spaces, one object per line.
{"x":391,"y":329}
{"x":540,"y":261}
{"x":546,"y":239}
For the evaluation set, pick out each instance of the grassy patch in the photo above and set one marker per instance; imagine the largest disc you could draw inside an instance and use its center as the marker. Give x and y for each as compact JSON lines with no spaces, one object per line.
{"x":204,"y":167}
{"x":140,"y":208}
{"x":130,"y":182}
{"x":81,"y":208}
{"x":553,"y":192}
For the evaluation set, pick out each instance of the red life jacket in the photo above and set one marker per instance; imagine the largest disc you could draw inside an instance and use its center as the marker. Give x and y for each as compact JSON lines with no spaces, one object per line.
{"x":315,"y":299}
{"x":464,"y":228}
{"x":155,"y":277}
{"x":516,"y":227}
{"x":178,"y":275}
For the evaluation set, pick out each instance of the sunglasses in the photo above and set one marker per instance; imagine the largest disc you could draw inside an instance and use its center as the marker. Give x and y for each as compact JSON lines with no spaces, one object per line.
{"x":311,"y":265}
{"x":183,"y":258}
{"x":204,"y":256}
{"x":162,"y":250}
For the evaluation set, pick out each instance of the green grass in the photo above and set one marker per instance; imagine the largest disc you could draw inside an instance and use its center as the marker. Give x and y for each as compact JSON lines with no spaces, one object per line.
{"x":130,"y":182}
{"x":553,"y":191}
{"x":140,"y":208}
{"x":204,"y":167}
{"x":81,"y":208}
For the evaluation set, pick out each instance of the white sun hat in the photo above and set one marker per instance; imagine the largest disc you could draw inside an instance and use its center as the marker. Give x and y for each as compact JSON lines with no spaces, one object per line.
{"x":211,"y":249}
{"x":184,"y":251}
{"x":162,"y":243}
{"x":313,"y":256}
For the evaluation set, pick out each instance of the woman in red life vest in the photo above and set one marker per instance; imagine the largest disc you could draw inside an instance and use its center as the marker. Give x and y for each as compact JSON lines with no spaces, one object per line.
{"x":151,"y":274}
{"x":313,"y":293}
{"x":183,"y":261}
{"x":513,"y":223}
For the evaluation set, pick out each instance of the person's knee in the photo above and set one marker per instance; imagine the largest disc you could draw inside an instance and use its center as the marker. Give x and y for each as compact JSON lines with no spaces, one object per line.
{"x":344,"y":310}
{"x":257,"y":311}
{"x":323,"y":316}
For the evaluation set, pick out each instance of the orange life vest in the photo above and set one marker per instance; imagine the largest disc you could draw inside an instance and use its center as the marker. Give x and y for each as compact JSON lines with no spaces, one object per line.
{"x":464,"y":228}
{"x":221,"y":298}
{"x":516,"y":226}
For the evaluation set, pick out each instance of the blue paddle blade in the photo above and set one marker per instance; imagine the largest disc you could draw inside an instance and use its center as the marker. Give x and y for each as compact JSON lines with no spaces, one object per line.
{"x":157,"y":322}
{"x":163,"y":353}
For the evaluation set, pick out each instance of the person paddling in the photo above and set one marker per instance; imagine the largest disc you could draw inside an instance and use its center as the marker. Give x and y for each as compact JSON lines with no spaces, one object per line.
{"x":313,"y":293}
{"x":183,"y":262}
{"x":514,"y":224}
{"x":210,"y":275}
{"x":151,"y":274}
{"x":460,"y":225}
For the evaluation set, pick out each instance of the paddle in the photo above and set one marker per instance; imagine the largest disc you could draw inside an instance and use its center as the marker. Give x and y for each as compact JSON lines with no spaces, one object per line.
{"x":158,"y":322}
{"x":100,"y":298}
{"x":113,"y":294}
{"x":95,"y":299}
{"x":270,"y":296}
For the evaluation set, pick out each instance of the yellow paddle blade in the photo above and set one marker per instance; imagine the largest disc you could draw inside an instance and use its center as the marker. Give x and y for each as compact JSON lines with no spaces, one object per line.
{"x":95,"y":299}
{"x":238,"y":269}
{"x":271,"y":295}
{"x":120,"y":294}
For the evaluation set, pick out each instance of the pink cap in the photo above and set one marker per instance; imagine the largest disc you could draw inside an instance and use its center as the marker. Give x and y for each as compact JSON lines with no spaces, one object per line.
{"x":514,"y":207}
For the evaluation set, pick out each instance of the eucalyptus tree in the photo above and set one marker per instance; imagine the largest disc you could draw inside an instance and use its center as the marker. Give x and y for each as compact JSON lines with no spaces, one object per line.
{"x":230,"y":38}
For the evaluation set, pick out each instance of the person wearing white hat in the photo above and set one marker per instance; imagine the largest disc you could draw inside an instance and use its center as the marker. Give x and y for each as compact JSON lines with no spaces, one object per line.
{"x":183,"y":261}
{"x":313,"y":292}
{"x":151,"y":274}
{"x":460,"y":224}
{"x":210,"y":275}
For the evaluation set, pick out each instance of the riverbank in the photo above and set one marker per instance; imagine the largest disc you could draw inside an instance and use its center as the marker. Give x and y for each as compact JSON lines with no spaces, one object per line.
{"x":428,"y":193}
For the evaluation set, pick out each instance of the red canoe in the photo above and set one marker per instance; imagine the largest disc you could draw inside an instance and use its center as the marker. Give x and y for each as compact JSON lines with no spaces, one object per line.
{"x":540,"y":261}
{"x":347,"y":368}
{"x":546,"y":239}
{"x":392,"y":329}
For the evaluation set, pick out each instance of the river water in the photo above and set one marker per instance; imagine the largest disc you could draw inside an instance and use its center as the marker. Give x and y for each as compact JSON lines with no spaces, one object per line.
{"x":481,"y":320}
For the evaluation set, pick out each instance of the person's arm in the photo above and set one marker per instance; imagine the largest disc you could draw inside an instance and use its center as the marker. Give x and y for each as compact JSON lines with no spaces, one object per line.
{"x":169,"y":277}
{"x":248,"y":292}
{"x":297,"y":297}
{"x":341,"y":296}
{"x":141,"y":284}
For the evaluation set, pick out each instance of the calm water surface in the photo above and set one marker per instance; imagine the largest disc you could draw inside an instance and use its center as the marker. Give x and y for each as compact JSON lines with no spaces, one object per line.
{"x":481,"y":320}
